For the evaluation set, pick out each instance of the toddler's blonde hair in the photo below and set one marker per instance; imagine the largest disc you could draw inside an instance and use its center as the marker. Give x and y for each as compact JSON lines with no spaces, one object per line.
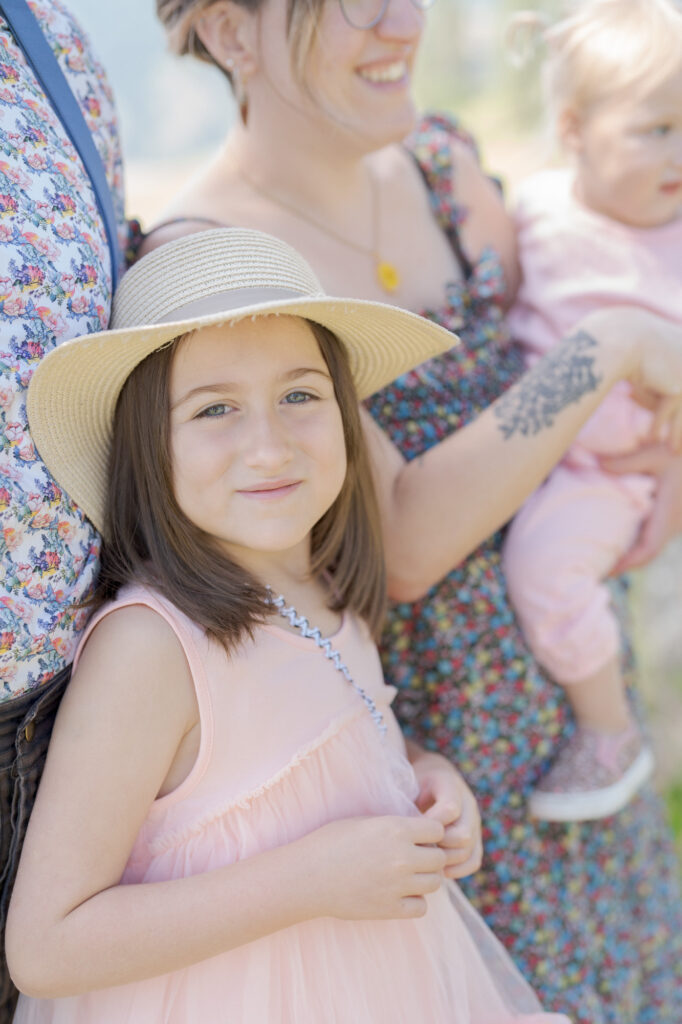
{"x":602,"y":47}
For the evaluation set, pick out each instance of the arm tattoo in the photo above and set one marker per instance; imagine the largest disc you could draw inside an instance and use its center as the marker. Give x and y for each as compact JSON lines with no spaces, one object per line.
{"x":561,"y":379}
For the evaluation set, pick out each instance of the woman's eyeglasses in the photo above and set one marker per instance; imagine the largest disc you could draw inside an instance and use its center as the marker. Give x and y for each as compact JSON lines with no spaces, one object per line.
{"x":368,"y":13}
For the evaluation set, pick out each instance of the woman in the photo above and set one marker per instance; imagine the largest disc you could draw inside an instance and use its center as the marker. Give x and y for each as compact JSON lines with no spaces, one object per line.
{"x":318,"y":157}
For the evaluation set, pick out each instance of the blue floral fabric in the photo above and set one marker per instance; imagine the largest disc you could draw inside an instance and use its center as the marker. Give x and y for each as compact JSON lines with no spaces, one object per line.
{"x":55,"y":284}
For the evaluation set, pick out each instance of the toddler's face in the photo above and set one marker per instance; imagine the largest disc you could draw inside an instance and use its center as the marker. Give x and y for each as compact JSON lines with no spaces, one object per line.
{"x":629,"y":152}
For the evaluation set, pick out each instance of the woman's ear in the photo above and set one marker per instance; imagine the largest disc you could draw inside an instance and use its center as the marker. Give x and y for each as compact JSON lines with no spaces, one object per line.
{"x":229,"y":33}
{"x":570,"y":130}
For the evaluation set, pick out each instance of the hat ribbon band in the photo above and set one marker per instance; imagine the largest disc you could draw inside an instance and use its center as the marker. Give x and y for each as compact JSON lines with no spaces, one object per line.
{"x":231,"y":301}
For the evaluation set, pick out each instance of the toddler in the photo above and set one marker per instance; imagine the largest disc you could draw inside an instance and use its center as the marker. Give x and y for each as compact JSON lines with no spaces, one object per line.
{"x":606,"y":232}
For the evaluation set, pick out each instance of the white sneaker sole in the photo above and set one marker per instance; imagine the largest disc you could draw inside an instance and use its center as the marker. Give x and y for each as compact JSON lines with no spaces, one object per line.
{"x":592,"y":804}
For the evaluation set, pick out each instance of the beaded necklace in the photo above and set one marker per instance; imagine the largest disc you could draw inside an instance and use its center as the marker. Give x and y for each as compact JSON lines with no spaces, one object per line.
{"x":300,"y":622}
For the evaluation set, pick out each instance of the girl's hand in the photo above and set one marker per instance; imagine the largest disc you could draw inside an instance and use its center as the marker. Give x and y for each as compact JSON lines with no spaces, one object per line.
{"x":373,"y":868}
{"x":444,"y":796}
{"x":665,"y":519}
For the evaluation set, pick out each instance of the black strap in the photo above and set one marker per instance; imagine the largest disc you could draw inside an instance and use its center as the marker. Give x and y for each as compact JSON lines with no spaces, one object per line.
{"x":38,"y":52}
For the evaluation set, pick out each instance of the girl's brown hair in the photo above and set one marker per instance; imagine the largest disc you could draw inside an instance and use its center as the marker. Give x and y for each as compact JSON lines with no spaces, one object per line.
{"x":148,"y":538}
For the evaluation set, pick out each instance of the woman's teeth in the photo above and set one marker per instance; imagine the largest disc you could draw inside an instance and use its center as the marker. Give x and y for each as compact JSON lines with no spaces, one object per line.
{"x":386,"y":73}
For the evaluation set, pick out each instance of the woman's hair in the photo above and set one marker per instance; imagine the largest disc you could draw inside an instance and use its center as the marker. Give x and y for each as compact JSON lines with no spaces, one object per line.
{"x":149,"y":539}
{"x":179,"y":18}
{"x":603,"y":46}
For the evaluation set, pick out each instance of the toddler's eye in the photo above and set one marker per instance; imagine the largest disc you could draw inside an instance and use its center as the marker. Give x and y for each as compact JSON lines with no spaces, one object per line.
{"x":661,"y":130}
{"x":299,"y":397}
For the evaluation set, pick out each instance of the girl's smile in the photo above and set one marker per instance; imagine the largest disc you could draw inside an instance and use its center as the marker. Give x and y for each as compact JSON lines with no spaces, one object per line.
{"x":257,"y":443}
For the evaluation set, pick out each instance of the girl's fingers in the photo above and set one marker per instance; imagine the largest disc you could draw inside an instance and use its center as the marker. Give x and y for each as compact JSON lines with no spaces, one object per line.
{"x":444,"y":811}
{"x":413,"y":906}
{"x":468,"y":867}
{"x":429,"y":859}
{"x":461,"y":835}
{"x":424,"y":830}
{"x":422,"y":884}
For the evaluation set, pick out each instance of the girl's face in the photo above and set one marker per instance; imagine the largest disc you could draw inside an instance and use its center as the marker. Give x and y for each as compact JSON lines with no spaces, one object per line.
{"x":629,"y":155}
{"x":256,"y":438}
{"x":355,"y":81}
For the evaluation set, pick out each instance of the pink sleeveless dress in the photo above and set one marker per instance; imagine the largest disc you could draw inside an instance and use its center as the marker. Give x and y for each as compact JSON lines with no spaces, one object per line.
{"x":287,"y":746}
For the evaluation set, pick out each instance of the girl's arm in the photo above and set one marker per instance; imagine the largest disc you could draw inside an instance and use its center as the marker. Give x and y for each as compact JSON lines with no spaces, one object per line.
{"x":439,"y":507}
{"x":72,"y":927}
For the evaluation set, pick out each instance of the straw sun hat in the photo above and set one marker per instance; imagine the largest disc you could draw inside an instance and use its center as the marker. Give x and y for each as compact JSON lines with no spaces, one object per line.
{"x":212,"y":277}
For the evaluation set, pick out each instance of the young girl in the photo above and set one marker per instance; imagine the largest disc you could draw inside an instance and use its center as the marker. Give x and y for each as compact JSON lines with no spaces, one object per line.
{"x":607,"y":232}
{"x":226,"y":829}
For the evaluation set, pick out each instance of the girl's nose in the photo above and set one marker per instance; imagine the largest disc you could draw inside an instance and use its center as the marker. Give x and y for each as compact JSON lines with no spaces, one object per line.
{"x":402,"y":20}
{"x":268,"y":446}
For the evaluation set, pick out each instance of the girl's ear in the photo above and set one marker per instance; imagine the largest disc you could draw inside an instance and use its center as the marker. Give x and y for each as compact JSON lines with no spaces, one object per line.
{"x":570,"y":130}
{"x":229,"y":32}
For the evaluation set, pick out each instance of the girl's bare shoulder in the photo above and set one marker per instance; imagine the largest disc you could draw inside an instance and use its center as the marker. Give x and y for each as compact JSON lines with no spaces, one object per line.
{"x":134,"y":651}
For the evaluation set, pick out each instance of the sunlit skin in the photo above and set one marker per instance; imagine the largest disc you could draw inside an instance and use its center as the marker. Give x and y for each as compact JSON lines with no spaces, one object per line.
{"x":346,"y":93}
{"x":257,"y":442}
{"x":629,"y":155}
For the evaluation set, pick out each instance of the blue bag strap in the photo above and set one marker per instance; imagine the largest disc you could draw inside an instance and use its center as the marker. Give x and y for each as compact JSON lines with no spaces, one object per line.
{"x":38,"y":52}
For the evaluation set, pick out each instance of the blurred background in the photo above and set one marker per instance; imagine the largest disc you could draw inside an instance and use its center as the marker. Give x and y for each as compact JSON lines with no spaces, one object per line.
{"x":463,"y":69}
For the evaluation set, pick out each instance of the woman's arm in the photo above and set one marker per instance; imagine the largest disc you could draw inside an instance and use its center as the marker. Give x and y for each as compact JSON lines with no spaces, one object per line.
{"x":439,"y":507}
{"x":73,"y":928}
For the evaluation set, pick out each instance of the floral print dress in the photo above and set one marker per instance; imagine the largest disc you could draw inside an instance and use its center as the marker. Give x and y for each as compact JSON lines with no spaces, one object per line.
{"x":590,"y":911}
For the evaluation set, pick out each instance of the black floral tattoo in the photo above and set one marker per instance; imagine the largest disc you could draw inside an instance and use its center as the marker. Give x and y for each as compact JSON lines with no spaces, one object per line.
{"x":561,"y":379}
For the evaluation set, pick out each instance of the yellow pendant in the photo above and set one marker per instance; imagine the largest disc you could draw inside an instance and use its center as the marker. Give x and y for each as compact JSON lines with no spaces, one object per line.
{"x":388,"y":276}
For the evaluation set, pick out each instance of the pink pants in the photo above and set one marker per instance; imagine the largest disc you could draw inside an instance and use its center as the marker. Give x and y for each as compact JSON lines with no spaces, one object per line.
{"x":559,"y":548}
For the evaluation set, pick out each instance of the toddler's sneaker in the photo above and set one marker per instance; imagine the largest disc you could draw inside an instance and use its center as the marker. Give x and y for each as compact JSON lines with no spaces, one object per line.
{"x":596,"y":774}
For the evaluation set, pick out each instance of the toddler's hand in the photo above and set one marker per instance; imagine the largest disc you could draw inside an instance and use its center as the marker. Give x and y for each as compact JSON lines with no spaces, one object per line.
{"x":374,"y":868}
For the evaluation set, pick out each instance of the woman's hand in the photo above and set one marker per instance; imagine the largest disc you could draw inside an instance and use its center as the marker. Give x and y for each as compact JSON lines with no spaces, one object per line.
{"x":372,"y":868}
{"x":444,"y":796}
{"x":665,"y":519}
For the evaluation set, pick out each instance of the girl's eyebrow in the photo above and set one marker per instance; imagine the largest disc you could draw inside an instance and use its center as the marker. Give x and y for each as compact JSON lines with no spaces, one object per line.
{"x":214,"y":389}
{"x":224,"y":387}
{"x":301,"y":371}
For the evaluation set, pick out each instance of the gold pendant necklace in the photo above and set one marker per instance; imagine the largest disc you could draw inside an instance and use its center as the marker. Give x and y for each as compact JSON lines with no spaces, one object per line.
{"x":387,"y":274}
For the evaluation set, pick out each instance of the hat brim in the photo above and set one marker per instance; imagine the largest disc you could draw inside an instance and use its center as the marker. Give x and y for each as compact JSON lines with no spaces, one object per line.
{"x":73,"y":394}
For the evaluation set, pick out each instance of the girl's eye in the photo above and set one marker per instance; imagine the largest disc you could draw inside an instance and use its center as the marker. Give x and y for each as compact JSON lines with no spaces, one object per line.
{"x":299,"y":397}
{"x":213,"y":411}
{"x":661,"y":130}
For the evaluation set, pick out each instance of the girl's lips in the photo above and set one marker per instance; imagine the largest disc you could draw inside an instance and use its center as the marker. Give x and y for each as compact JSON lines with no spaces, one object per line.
{"x":270,"y":490}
